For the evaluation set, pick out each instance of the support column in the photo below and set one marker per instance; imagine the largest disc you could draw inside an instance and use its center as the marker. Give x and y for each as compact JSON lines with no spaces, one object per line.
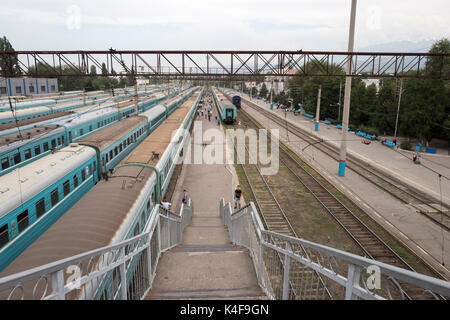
{"x":271,"y":92}
{"x":316,"y":127}
{"x":347,"y":92}
{"x":136,"y":106}
{"x":398,"y":109}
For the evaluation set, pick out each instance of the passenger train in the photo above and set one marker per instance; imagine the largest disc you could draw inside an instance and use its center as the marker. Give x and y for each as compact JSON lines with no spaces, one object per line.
{"x":227,"y":113}
{"x":37,"y":195}
{"x":237,"y":101}
{"x":37,"y":111}
{"x":20,"y":148}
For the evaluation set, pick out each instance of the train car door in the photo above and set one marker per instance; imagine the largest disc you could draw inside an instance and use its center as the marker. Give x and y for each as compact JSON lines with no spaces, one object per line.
{"x":229,"y":114}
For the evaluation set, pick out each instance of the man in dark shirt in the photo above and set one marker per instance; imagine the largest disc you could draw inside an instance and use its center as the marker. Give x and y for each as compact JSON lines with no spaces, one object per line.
{"x":237,"y":197}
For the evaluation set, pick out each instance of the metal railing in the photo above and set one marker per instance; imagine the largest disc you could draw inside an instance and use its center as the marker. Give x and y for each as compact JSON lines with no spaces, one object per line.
{"x":121,"y":271}
{"x":285,"y":266}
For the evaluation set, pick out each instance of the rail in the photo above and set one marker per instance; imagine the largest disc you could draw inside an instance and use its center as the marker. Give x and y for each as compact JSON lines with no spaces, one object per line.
{"x":348,"y":276}
{"x":122,"y":271}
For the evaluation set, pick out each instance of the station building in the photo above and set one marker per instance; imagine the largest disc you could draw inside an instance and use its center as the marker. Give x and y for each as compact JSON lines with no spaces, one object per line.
{"x":26,"y":86}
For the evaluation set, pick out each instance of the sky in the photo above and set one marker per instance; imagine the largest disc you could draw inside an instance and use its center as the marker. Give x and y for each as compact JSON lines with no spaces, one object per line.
{"x":218,"y":25}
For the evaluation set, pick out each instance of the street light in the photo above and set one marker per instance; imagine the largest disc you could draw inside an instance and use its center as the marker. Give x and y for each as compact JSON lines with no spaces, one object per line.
{"x":347,"y":92}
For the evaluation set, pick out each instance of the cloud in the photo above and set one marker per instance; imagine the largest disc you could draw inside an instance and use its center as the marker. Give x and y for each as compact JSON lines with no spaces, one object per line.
{"x":231,"y":24}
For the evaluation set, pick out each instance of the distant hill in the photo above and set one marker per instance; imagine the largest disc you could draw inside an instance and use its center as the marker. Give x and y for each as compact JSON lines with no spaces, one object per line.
{"x":399,"y":46}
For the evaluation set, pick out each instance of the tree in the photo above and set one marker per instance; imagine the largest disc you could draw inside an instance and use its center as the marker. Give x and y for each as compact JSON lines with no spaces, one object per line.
{"x":93,"y":71}
{"x":104,"y":69}
{"x":439,"y":65}
{"x":10,"y":64}
{"x":263,"y":92}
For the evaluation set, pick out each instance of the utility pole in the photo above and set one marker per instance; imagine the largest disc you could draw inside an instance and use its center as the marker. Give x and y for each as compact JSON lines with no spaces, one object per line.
{"x":340,"y":89}
{"x":316,"y":126}
{"x":168,"y":88}
{"x":347,"y":92}
{"x":398,"y":109}
{"x":136,"y":106}
{"x":271,"y":92}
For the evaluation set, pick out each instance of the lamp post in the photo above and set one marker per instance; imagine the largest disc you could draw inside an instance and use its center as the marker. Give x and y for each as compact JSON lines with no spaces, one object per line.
{"x":347,"y":92}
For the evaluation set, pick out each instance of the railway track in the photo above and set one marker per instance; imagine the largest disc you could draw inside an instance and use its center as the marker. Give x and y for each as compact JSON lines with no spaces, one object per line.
{"x":369,"y":242}
{"x":395,"y":188}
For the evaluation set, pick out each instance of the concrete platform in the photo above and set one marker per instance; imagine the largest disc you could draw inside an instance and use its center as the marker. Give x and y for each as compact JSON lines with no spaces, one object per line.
{"x":206,"y":265}
{"x":412,"y":229}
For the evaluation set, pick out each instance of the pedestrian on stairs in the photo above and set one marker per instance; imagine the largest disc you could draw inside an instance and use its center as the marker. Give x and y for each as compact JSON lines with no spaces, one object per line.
{"x":237,"y":197}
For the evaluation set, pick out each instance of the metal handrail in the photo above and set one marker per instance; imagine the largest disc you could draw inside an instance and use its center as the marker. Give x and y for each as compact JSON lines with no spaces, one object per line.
{"x":103,"y":259}
{"x":347,"y":274}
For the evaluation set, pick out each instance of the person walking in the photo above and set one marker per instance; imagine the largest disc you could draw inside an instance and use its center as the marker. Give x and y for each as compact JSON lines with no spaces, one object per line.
{"x":237,"y":197}
{"x":185,"y":197}
{"x":209,"y":116}
{"x":167,"y":205}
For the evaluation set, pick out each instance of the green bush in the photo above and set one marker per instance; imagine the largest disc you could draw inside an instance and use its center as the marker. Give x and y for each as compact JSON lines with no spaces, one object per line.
{"x":406,"y":145}
{"x":369,"y":130}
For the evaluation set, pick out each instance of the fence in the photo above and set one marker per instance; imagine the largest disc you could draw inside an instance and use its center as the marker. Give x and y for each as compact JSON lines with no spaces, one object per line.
{"x":120,"y":271}
{"x":285,"y":266}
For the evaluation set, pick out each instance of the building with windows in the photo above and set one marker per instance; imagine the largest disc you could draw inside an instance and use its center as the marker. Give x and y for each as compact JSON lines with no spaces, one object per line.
{"x":27,"y":86}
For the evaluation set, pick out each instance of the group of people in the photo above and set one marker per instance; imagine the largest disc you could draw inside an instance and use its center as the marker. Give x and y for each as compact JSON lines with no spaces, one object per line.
{"x":237,"y":199}
{"x":207,"y":110}
{"x":168,"y":206}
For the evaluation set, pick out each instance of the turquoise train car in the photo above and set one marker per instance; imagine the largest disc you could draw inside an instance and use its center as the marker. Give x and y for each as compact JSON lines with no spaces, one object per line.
{"x":63,"y":174}
{"x":228,"y":113}
{"x":18,"y":149}
{"x":32,"y":199}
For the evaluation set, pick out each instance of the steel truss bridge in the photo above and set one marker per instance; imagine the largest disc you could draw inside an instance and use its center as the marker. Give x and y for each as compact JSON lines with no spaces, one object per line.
{"x":224,"y":65}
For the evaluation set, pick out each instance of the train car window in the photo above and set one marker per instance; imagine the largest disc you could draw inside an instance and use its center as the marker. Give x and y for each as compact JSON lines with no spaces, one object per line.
{"x":98,"y":124}
{"x":62,"y":139}
{"x":37,"y":150}
{"x":66,"y":188}
{"x":70,"y":136}
{"x":5,"y":163}
{"x":53,"y":143}
{"x":17,"y":158}
{"x":143,"y":219}
{"x":120,"y":148}
{"x":103,"y":296}
{"x":4,"y":235}
{"x":115,"y":151}
{"x":115,"y":281}
{"x":46,"y":145}
{"x":128,"y":140}
{"x":90,"y":127}
{"x":107,"y":156}
{"x":27,"y":154}
{"x":83,"y":175}
{"x":40,"y":208}
{"x":148,"y":206}
{"x":75,"y":181}
{"x":22,"y":221}
{"x":111,"y":154}
{"x":59,"y":141}
{"x":136,"y":230}
{"x":81,"y":132}
{"x":95,"y":166}
{"x":54,"y":196}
